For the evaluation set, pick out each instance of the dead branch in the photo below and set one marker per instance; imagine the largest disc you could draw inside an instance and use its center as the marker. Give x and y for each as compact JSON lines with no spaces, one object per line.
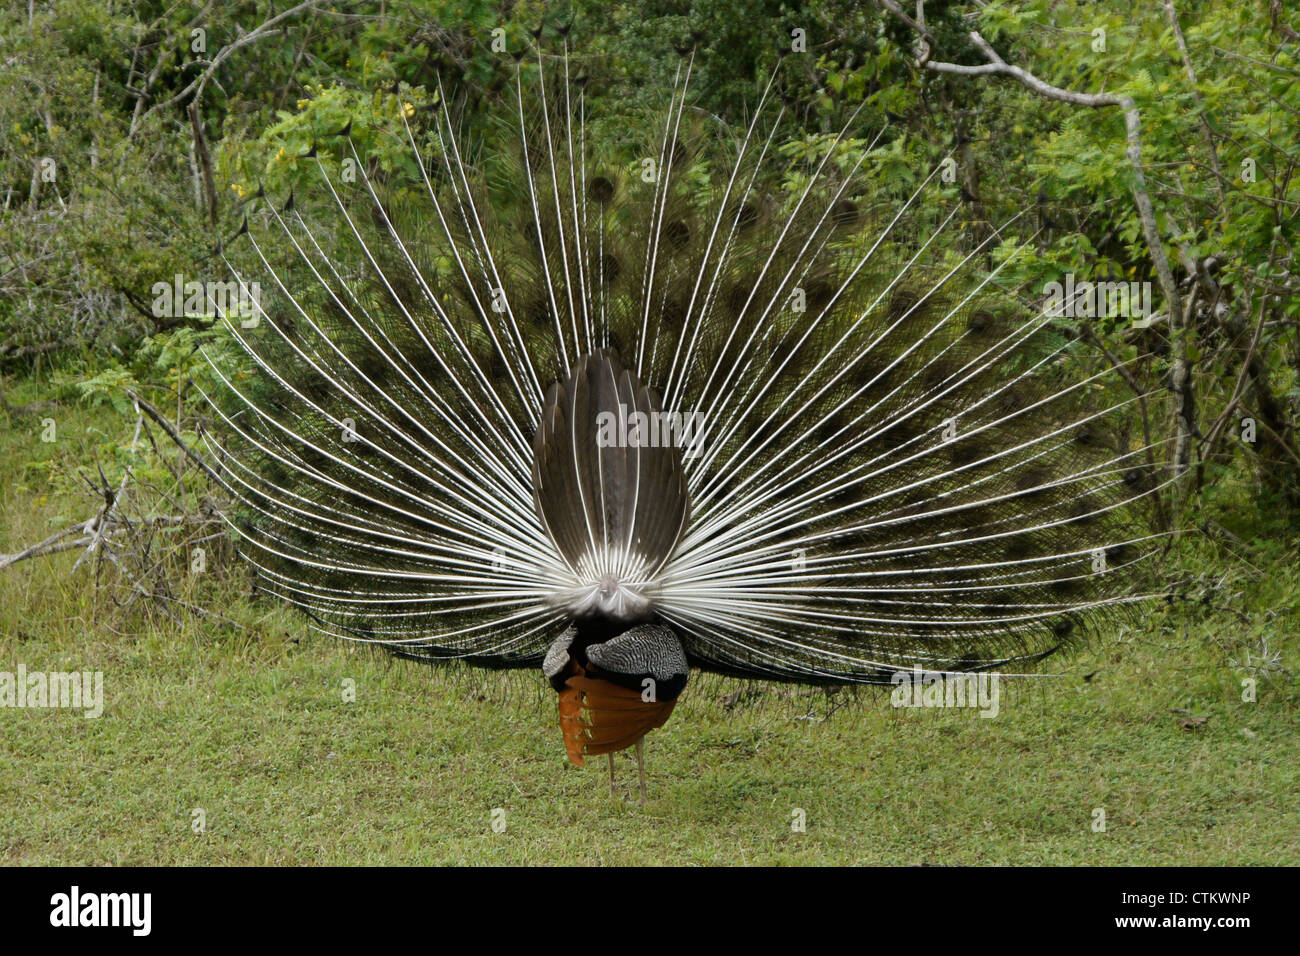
{"x":268,"y":28}
{"x":1180,"y":378}
{"x":52,"y":545}
{"x":166,"y":426}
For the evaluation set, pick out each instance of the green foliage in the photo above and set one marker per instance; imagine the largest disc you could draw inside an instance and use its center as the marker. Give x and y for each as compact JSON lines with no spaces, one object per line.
{"x":110,"y":386}
{"x":102,"y":91}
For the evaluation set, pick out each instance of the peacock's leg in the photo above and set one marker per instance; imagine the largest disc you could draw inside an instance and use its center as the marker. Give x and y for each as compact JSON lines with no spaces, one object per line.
{"x":640,"y":766}
{"x":611,"y":775}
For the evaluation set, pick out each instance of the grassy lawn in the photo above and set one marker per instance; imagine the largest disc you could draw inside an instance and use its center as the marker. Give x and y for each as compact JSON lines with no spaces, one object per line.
{"x":251,"y":727}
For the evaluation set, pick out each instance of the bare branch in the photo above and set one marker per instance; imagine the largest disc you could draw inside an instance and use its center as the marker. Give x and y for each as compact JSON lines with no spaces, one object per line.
{"x":1180,"y":379}
{"x":195,"y":86}
{"x":52,"y":545}
{"x":166,"y":426}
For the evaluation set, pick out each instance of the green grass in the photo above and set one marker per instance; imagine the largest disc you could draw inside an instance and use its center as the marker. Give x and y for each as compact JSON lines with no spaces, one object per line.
{"x":251,"y":726}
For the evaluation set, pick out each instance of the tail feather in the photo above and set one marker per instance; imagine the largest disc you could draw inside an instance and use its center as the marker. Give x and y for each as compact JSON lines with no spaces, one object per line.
{"x":896,"y":461}
{"x":609,"y":487}
{"x":616,"y":717}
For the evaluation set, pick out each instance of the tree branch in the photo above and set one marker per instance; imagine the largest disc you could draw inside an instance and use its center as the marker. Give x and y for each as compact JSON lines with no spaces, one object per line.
{"x":166,"y":426}
{"x":1180,"y":378}
{"x":195,"y":86}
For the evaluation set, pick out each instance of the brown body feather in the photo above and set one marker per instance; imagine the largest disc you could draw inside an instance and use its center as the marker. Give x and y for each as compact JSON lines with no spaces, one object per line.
{"x":600,"y":717}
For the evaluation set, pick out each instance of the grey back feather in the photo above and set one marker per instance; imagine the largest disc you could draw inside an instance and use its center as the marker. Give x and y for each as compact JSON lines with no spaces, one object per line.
{"x":649,"y":649}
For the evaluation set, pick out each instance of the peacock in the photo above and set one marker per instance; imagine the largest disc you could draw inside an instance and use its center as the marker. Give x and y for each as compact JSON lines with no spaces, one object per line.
{"x":626,"y":404}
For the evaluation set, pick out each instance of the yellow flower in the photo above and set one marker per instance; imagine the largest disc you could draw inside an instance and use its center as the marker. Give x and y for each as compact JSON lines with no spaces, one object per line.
{"x":303,"y":103}
{"x":408,"y":109}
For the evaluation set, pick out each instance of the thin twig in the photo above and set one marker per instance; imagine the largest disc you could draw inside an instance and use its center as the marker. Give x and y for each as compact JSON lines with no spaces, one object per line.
{"x":166,"y":426}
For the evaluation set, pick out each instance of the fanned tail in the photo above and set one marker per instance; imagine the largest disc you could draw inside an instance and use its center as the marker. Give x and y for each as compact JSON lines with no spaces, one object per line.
{"x":896,"y":462}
